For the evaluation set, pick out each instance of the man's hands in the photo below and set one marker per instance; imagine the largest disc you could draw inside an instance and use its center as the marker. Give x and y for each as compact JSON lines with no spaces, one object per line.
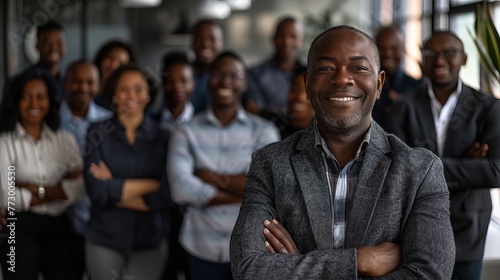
{"x":231,"y":184}
{"x":378,"y":260}
{"x":278,"y":240}
{"x":100,"y":171}
{"x":210,"y":177}
{"x":30,"y":187}
{"x":73,"y":174}
{"x":477,"y":151}
{"x":372,"y":261}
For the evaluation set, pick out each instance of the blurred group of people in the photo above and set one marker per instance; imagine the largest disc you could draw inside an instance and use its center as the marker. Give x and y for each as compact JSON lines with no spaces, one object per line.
{"x":108,"y":188}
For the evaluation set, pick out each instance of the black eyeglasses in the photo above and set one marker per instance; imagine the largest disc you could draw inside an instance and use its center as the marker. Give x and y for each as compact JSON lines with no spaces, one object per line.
{"x":447,"y":53}
{"x":233,"y":76}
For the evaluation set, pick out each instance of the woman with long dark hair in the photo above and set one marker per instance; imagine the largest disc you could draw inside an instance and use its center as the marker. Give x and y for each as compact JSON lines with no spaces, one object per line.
{"x":44,"y":164}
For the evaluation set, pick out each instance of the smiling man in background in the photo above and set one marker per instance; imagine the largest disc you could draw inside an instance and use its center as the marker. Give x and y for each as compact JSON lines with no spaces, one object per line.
{"x":460,"y":125}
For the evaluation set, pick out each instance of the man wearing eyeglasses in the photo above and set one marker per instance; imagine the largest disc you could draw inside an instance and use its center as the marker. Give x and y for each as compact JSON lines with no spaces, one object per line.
{"x":461,"y":126}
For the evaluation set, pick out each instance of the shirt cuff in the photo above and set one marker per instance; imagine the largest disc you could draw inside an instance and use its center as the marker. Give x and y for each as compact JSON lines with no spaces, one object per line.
{"x":115,"y":189}
{"x":25,"y":197}
{"x":205,"y":194}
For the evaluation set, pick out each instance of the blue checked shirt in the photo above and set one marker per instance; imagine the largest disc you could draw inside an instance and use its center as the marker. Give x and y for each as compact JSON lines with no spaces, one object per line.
{"x":341,"y":183}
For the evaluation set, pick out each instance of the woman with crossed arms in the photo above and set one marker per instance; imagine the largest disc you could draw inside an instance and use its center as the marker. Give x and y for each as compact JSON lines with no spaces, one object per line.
{"x":124,"y":176}
{"x":44,"y":163}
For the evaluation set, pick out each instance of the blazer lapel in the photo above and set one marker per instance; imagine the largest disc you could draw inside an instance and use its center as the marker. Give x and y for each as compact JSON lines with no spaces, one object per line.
{"x":425,"y":121}
{"x":370,"y":182}
{"x":310,"y":173}
{"x":465,"y":104}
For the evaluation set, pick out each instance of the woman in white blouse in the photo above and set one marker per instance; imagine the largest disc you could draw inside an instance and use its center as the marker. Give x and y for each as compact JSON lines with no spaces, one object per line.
{"x":44,"y":164}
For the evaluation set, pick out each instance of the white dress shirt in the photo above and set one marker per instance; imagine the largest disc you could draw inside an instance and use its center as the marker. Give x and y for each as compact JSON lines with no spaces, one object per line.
{"x":442,"y":114}
{"x":44,"y":162}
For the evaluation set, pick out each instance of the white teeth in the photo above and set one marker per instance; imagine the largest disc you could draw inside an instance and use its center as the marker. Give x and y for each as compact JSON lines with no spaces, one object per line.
{"x":440,"y":70}
{"x":299,"y":107}
{"x":343,"y":99}
{"x":34,"y":112}
{"x":54,"y":55}
{"x":132,"y":104}
{"x":206,"y":53}
{"x":225,"y":92}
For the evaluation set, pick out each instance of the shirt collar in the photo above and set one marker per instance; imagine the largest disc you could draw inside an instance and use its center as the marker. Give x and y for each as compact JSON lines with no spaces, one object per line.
{"x":65,"y":111}
{"x":47,"y":132}
{"x":94,"y":112}
{"x":146,"y":127}
{"x":432,"y":95}
{"x":320,"y":143}
{"x":185,"y":116}
{"x":241,"y":116}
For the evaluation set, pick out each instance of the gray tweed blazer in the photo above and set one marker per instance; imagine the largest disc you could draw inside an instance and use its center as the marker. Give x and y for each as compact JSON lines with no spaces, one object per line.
{"x":401,"y":197}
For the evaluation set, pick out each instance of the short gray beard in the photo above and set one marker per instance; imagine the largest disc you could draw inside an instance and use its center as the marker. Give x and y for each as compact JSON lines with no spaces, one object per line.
{"x":343,"y":127}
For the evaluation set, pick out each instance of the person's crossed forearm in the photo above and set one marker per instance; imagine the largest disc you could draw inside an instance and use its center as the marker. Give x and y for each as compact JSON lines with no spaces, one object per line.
{"x":372,"y":261}
{"x":233,"y":184}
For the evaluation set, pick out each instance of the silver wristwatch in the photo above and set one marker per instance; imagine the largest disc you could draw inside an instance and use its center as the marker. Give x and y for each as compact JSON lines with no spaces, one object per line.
{"x":41,"y":192}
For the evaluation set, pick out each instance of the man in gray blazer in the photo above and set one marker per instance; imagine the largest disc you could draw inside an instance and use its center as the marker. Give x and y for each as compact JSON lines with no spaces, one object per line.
{"x":462,"y":127}
{"x":343,"y":199}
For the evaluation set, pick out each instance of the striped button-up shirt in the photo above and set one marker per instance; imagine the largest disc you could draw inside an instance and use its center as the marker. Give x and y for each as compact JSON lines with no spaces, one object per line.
{"x":341,"y":184}
{"x":204,"y":143}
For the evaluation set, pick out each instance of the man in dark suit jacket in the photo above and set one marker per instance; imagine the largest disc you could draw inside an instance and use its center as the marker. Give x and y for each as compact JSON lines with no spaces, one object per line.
{"x":462,"y":127}
{"x":351,"y":201}
{"x":391,"y":47}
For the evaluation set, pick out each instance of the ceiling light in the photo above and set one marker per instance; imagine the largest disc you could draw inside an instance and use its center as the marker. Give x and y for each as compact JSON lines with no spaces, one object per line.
{"x":240,"y":4}
{"x":215,"y":9}
{"x":139,"y":3}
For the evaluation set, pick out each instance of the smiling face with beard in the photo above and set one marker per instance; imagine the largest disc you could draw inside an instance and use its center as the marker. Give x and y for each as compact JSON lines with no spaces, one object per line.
{"x":343,"y":81}
{"x":343,"y":126}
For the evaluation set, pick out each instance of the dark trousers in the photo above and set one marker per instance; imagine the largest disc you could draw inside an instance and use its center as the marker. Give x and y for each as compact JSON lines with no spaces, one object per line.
{"x":177,"y":256}
{"x":42,"y":244}
{"x":205,"y":270}
{"x":467,"y":270}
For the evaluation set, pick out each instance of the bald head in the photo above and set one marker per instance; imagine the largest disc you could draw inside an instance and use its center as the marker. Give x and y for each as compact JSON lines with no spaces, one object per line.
{"x":444,"y":33}
{"x":373,"y":46}
{"x":288,"y":38}
{"x":390,"y":44}
{"x":81,"y":83}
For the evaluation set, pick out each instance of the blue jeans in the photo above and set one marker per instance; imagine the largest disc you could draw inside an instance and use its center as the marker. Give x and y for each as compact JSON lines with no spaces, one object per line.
{"x":206,"y":270}
{"x":467,"y":270}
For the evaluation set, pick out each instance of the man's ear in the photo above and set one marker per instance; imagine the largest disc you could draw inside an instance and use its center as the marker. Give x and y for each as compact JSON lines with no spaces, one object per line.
{"x":305,"y":77}
{"x":380,"y":82}
{"x":464,"y":59}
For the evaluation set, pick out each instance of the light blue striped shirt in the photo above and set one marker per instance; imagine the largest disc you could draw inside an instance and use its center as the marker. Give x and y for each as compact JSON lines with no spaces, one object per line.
{"x":204,"y":143}
{"x":168,"y":122}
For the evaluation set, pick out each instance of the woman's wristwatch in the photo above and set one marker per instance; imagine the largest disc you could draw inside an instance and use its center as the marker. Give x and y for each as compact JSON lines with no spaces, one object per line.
{"x":41,"y":192}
